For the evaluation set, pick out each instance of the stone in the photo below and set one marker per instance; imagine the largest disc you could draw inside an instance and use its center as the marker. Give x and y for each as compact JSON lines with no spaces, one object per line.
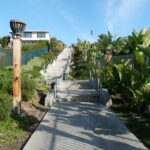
{"x":23,"y":114}
{"x":49,"y":100}
{"x":105,"y":98}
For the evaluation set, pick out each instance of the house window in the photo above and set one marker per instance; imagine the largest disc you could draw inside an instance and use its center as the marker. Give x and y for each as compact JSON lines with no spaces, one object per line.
{"x":27,"y":35}
{"x":40,"y":35}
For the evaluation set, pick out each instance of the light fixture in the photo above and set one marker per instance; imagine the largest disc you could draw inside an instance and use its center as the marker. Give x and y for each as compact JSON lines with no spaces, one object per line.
{"x":17,"y":27}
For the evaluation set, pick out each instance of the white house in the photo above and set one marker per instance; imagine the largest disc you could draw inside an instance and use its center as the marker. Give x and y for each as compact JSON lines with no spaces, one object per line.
{"x":29,"y":37}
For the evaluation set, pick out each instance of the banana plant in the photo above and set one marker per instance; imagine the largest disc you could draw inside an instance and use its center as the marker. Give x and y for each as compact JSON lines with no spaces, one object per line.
{"x":138,"y":44}
{"x":123,"y":79}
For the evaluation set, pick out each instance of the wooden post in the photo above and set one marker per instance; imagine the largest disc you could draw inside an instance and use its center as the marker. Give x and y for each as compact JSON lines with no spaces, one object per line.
{"x":17,"y":75}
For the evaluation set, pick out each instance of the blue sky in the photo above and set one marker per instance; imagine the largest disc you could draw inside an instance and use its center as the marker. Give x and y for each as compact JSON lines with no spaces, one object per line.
{"x":68,"y":20}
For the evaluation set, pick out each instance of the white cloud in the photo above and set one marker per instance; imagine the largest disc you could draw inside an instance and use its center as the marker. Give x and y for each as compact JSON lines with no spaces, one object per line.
{"x":120,"y":12}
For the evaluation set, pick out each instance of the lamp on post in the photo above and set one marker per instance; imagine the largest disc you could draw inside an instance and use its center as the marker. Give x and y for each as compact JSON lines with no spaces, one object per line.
{"x":17,"y":28}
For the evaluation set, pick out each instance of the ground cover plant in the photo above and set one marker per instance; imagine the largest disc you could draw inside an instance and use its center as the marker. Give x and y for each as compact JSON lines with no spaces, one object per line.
{"x":14,"y":127}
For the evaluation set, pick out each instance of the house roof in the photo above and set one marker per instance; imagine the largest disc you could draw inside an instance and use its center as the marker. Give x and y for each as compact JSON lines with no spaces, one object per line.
{"x":36,"y":31}
{"x":33,"y":31}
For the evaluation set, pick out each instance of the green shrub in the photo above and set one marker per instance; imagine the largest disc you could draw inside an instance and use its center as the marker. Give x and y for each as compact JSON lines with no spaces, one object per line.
{"x":28,"y":87}
{"x":56,"y":45}
{"x":33,"y":67}
{"x":5,"y":105}
{"x":36,"y":61}
{"x":48,"y":58}
{"x":41,"y":84}
{"x":146,"y":90}
{"x":6,"y":81}
{"x":35,"y":72}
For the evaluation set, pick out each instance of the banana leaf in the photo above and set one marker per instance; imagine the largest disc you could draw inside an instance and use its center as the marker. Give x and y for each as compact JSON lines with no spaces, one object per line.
{"x":145,"y":50}
{"x":146,"y":38}
{"x":139,"y":57}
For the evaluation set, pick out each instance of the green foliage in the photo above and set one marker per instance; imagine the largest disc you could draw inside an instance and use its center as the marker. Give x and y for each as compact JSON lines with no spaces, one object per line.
{"x":28,"y":87}
{"x":94,"y":59}
{"x":145,"y":50}
{"x":80,"y":68}
{"x":115,"y":45}
{"x":4,"y":41}
{"x":33,"y":67}
{"x":145,"y":88}
{"x":39,"y":44}
{"x":36,"y":61}
{"x":56,"y":45}
{"x":104,"y":41}
{"x":28,"y":83}
{"x":6,"y":81}
{"x":139,"y":41}
{"x":125,"y":76}
{"x":35,"y":72}
{"x":15,"y":126}
{"x":41,"y":84}
{"x":5,"y":93}
{"x":125,"y":80}
{"x":49,"y":57}
{"x":5,"y":105}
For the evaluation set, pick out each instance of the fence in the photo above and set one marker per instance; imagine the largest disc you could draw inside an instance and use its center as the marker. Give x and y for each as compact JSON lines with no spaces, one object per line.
{"x":6,"y":56}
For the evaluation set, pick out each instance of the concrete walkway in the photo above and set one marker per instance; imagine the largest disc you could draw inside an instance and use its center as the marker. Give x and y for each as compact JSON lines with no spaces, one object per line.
{"x":78,"y":125}
{"x":82,"y":126}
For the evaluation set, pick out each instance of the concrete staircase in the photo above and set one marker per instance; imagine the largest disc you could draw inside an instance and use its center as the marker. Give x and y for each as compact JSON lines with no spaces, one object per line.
{"x":59,"y":67}
{"x":76,"y":90}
